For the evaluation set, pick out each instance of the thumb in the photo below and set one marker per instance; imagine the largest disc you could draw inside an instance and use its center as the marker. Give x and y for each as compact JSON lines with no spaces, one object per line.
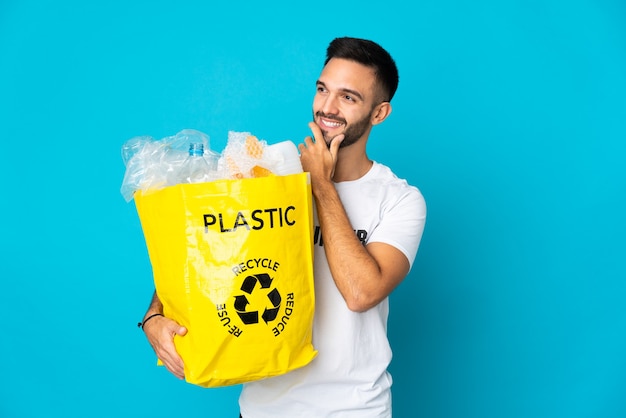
{"x":180,"y":331}
{"x":334,"y":144}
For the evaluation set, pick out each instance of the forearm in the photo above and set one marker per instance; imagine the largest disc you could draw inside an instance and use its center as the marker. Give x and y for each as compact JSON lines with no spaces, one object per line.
{"x":156,"y":307}
{"x":355,"y":272}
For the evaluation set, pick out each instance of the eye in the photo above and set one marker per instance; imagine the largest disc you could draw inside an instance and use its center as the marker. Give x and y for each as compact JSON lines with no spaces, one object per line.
{"x":349,"y":98}
{"x":321,"y":89}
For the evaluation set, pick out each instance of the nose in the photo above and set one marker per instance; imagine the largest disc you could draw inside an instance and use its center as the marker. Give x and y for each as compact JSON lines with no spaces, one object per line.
{"x":329,"y":105}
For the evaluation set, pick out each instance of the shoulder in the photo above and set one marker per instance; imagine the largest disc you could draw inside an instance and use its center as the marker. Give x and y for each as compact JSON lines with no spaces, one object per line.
{"x":388,"y":184}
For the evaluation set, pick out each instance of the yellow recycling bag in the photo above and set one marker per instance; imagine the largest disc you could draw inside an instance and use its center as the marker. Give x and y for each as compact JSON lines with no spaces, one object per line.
{"x":233,"y":262}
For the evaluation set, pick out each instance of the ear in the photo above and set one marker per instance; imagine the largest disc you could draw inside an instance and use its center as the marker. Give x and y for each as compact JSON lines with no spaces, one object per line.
{"x":381,"y":112}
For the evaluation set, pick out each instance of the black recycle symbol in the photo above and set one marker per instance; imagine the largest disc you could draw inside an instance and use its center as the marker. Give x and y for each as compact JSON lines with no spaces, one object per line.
{"x":241,"y":302}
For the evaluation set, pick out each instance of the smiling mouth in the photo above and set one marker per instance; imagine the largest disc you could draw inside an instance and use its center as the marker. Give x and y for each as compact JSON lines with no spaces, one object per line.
{"x":329,"y":121}
{"x":330,"y":124}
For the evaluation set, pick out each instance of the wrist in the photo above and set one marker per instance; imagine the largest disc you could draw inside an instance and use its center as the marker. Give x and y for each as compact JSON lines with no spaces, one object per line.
{"x":148,"y":318}
{"x":322,"y":187}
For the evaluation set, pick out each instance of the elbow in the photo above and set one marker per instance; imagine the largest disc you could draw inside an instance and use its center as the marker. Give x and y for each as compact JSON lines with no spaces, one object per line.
{"x":360,"y":298}
{"x":358,"y":308}
{"x":360,"y":304}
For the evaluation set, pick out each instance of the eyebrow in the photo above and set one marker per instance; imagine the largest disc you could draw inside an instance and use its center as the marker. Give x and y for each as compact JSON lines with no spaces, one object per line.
{"x":343,"y":90}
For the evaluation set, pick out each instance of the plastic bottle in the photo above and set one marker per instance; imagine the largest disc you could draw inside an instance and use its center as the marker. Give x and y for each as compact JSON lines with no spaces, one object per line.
{"x":284,"y":158}
{"x":196,"y":169}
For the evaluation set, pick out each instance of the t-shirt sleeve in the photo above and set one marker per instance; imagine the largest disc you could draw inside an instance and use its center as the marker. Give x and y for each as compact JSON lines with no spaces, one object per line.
{"x":402,"y":223}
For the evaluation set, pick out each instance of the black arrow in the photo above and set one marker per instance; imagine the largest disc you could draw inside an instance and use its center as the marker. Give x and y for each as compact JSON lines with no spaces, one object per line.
{"x":248,"y":284}
{"x":240,"y":303}
{"x":274,"y":297}
{"x":249,"y":317}
{"x":270,"y":314}
{"x":265,"y":280}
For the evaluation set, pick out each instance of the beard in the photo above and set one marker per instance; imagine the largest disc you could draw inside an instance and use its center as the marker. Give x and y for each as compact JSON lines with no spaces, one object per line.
{"x":353,"y":132}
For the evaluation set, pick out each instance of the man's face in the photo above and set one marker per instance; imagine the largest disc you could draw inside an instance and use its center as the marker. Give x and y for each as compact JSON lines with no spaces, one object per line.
{"x":345,"y":100}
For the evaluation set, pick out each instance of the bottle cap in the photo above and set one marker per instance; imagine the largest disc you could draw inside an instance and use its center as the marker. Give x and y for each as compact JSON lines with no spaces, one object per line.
{"x":196,"y":148}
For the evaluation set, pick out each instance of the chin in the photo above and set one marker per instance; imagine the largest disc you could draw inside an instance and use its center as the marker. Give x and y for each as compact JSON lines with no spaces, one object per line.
{"x":328,"y":137}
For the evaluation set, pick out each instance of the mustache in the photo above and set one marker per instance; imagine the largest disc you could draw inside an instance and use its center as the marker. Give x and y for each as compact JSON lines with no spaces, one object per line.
{"x":321,"y":114}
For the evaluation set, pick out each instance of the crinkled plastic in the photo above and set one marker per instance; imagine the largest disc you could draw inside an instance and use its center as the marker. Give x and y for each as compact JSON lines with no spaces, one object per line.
{"x":247,"y":157}
{"x":152,"y":164}
{"x":155,"y":164}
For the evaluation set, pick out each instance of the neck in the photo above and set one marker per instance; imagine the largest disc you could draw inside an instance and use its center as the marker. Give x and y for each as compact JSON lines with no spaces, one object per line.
{"x":352,"y":164}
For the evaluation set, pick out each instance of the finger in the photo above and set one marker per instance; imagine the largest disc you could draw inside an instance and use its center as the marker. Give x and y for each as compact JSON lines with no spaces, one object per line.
{"x":317,"y":131}
{"x":175,"y":367}
{"x":335,"y":143}
{"x":172,"y":361}
{"x":168,"y":353}
{"x":303,"y":147}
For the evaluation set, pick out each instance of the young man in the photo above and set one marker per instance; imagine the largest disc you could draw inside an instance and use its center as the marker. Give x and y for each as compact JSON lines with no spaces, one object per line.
{"x":371,"y":224}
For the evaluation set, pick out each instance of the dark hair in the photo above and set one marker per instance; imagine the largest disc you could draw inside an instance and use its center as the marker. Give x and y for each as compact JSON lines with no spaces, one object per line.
{"x":371,"y":55}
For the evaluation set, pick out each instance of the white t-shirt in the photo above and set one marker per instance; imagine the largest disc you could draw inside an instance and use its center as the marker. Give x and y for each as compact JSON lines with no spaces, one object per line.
{"x":349,"y":377}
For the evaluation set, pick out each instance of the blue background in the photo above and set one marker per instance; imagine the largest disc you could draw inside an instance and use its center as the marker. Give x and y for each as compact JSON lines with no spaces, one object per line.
{"x":510,"y":117}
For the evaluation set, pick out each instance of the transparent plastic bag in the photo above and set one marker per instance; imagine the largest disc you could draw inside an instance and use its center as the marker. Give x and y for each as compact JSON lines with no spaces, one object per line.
{"x":245,"y":156}
{"x":153,"y":164}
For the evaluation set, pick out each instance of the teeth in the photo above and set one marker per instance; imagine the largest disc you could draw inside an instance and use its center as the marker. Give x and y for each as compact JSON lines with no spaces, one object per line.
{"x":331,"y":124}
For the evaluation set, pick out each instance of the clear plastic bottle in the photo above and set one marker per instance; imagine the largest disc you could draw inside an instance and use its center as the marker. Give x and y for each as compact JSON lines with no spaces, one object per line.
{"x":196,"y":169}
